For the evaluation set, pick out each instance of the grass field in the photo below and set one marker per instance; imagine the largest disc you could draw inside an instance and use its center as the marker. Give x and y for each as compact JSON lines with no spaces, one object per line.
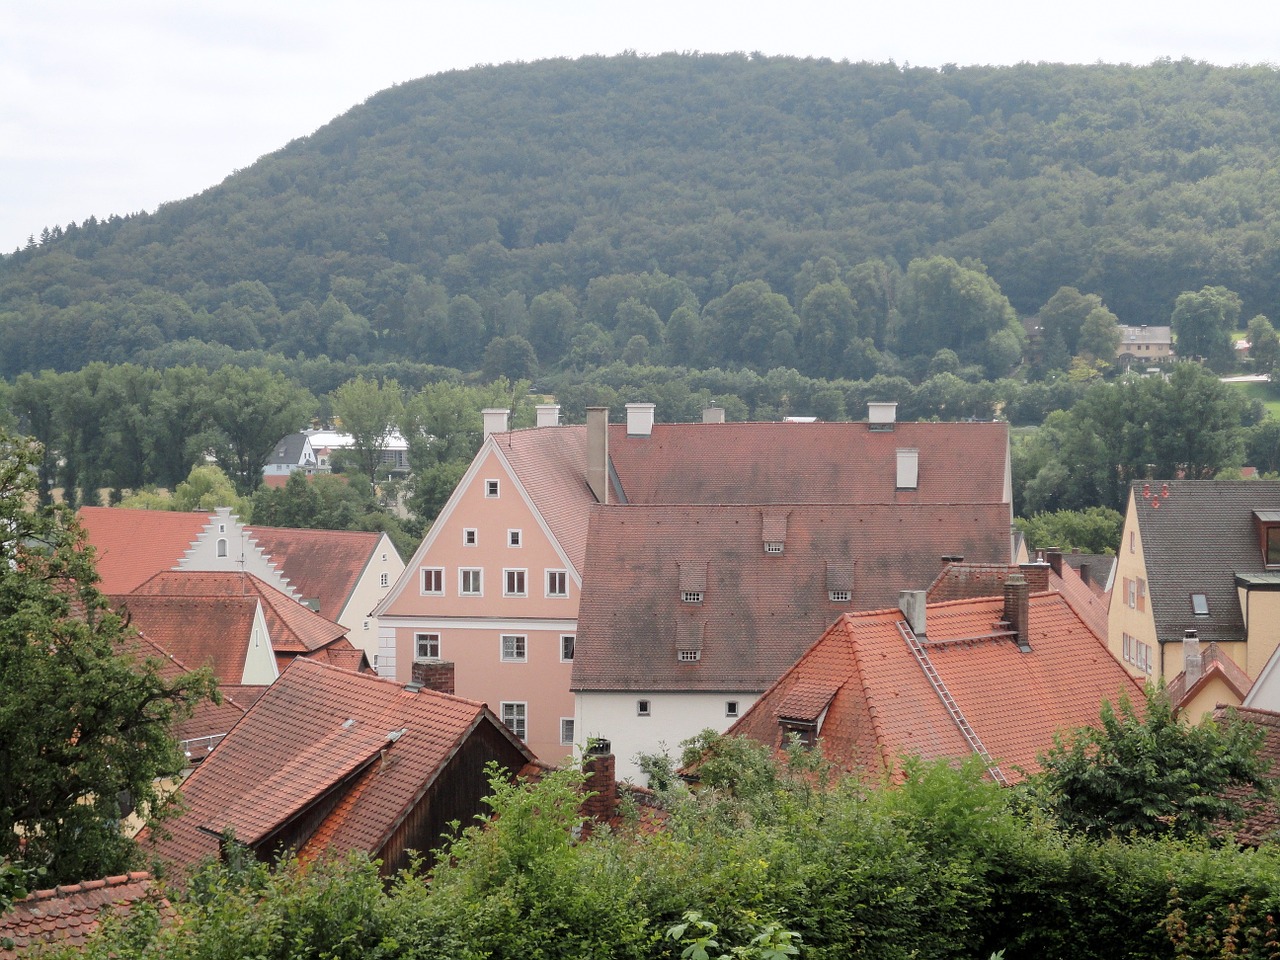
{"x":1266,"y":392}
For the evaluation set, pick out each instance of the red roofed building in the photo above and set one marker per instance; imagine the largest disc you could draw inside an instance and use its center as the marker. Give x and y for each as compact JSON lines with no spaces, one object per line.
{"x":330,"y":761}
{"x":132,"y":546}
{"x":993,"y":676}
{"x":495,"y":585}
{"x":66,"y":916}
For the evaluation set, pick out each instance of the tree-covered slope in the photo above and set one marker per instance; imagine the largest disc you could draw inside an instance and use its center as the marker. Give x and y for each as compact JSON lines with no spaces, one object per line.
{"x":420,"y":213}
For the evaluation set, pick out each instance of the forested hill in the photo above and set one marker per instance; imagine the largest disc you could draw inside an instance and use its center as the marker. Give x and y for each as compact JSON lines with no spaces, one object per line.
{"x":430,"y":219}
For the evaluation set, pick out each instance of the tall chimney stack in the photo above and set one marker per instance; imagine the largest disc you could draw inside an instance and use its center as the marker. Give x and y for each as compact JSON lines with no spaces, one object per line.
{"x":913,"y":606}
{"x":1017,"y":609}
{"x":713,"y":414}
{"x":495,"y":420}
{"x":598,"y":452}
{"x":548,"y":414}
{"x":640,"y":419}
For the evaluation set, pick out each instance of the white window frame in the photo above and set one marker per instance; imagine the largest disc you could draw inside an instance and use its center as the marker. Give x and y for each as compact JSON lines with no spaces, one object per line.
{"x":557,"y":578}
{"x":419,"y":638}
{"x":222,"y":547}
{"x":463,"y":574}
{"x":515,"y":716}
{"x":731,"y":709}
{"x":492,"y":489}
{"x":515,"y":537}
{"x":515,"y":582}
{"x":644,"y":708}
{"x":840,"y":596}
{"x":437,"y":574}
{"x":518,"y":648}
{"x":470,"y":537}
{"x":570,"y":645}
{"x":690,"y":596}
{"x":566,"y":731}
{"x":384,"y":580}
{"x":689,"y":656}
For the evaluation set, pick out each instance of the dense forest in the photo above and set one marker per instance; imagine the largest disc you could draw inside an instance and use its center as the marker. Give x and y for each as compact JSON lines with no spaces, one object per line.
{"x":715,"y":210}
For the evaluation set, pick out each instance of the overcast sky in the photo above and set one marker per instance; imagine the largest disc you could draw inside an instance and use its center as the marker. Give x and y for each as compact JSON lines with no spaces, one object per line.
{"x":115,"y":106}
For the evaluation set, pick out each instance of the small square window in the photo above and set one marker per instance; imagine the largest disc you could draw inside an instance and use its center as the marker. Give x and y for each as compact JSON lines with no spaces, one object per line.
{"x":513,"y":538}
{"x":839,"y":596}
{"x":642,"y":708}
{"x":513,"y":648}
{"x":566,"y":731}
{"x":433,"y":581}
{"x":470,"y":537}
{"x":689,"y":656}
{"x":471,"y":582}
{"x":514,"y":585}
{"x":515,"y":716}
{"x":491,"y":489}
{"x":731,"y":708}
{"x":426,"y":646}
{"x":691,"y":596}
{"x":557,"y":583}
{"x":567,"y":641}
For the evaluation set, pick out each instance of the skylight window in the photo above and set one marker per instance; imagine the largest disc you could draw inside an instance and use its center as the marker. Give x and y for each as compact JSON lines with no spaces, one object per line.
{"x":1199,"y":605}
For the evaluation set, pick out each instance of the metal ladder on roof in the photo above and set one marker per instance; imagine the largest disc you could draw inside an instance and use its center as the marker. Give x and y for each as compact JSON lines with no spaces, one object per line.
{"x":970,"y":735}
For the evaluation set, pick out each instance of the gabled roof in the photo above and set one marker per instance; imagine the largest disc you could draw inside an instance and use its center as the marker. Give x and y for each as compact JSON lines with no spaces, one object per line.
{"x":719,"y":463}
{"x":1214,"y":665}
{"x":131,"y":546}
{"x":324,"y":565}
{"x":759,"y":611}
{"x":551,"y":465}
{"x":66,"y":916}
{"x":882,"y":705}
{"x":357,"y":751}
{"x":200,"y":631}
{"x":1197,"y":540}
{"x":289,"y":451}
{"x":293,"y":627}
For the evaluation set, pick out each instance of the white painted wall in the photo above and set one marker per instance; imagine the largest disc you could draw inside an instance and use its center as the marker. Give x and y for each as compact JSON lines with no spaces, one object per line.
{"x":362,"y":627}
{"x":260,"y":660}
{"x":673,"y":717}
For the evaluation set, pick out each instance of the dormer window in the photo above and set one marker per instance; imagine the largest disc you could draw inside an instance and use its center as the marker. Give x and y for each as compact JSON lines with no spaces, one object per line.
{"x":691,"y":596}
{"x":1199,"y":605}
{"x":693,"y":580}
{"x":840,"y":581}
{"x":773,"y":547}
{"x":1267,"y":524}
{"x":689,"y":656}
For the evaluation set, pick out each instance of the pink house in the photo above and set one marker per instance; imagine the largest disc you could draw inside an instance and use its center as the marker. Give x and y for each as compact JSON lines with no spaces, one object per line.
{"x":495,"y":586}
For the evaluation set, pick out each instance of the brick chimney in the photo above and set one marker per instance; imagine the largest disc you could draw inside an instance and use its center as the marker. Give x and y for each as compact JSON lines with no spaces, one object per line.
{"x":1037,"y":575}
{"x":598,"y":452}
{"x":1055,"y":560}
{"x":601,"y":779}
{"x":434,"y":675}
{"x":1017,"y":609}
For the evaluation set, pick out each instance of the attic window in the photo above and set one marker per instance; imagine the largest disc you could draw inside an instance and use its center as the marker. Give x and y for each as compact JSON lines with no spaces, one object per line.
{"x":690,"y":596}
{"x":491,"y":489}
{"x":773,"y":531}
{"x":1273,"y":546}
{"x":773,"y":546}
{"x":689,"y":641}
{"x":1267,"y":523}
{"x":1199,"y":605}
{"x":839,"y":596}
{"x":840,"y":580}
{"x":806,"y":734}
{"x":693,"y":580}
{"x":689,"y":656}
{"x":642,"y":708}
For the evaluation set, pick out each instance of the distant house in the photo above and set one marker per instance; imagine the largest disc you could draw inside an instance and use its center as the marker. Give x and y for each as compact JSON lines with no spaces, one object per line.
{"x":293,"y":454}
{"x":66,"y":916}
{"x":994,"y":677}
{"x":495,"y":585}
{"x":1199,"y":563}
{"x":1144,"y":345}
{"x":329,"y":762}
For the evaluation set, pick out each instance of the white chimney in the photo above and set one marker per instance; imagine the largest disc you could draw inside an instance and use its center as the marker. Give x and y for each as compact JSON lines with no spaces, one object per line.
{"x":713,"y":414}
{"x":598,"y":452}
{"x":495,"y":420}
{"x":908,"y":475}
{"x":548,"y":414}
{"x":640,"y":419}
{"x":881,"y":415}
{"x":1192,"y":659}
{"x":912,"y":604}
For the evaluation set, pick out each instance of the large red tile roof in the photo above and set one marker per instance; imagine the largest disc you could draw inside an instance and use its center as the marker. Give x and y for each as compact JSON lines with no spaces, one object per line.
{"x":200,"y":631}
{"x":759,"y":611}
{"x":294,"y":628}
{"x":1262,"y":817}
{"x":209,"y":719}
{"x":324,"y":565}
{"x":551,"y":463}
{"x":311,"y":733}
{"x":131,"y":546}
{"x":66,"y":916}
{"x":880,"y":704}
{"x":717,"y":463}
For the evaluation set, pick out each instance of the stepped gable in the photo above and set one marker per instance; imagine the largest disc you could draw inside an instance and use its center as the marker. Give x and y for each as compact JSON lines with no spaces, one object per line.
{"x":879,"y":704}
{"x":322,"y":565}
{"x":131,"y":546}
{"x":330,"y":759}
{"x":723,"y":463}
{"x":67,"y":916}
